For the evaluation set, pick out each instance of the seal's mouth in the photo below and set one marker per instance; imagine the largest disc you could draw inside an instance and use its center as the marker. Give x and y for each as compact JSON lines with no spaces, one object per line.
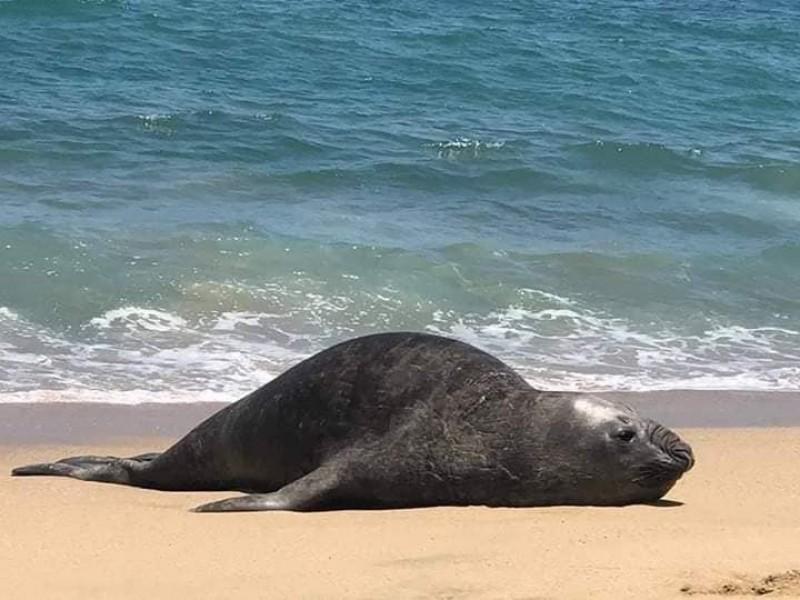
{"x":676,"y":458}
{"x":658,"y":473}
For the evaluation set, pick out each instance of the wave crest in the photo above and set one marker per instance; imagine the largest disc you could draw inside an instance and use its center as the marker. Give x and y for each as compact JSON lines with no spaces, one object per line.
{"x":465,"y":148}
{"x":135,"y":354}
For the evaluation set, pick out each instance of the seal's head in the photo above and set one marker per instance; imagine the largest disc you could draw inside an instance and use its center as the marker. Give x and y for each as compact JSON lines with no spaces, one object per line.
{"x":624,"y":458}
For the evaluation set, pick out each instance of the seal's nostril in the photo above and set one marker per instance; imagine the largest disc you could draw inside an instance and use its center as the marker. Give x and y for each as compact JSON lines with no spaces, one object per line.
{"x":682,"y":452}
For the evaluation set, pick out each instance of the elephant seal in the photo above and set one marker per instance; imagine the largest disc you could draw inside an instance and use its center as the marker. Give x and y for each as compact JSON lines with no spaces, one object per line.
{"x":406,"y":420}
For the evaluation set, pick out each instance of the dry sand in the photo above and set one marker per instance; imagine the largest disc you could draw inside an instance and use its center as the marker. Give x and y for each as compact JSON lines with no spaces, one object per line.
{"x":732,"y":527}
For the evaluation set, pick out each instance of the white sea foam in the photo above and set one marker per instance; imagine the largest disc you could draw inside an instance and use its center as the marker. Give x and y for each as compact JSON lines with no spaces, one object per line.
{"x":134,"y":317}
{"x":584,"y":351}
{"x":554,"y":298}
{"x":8,"y":314}
{"x":129,"y":397}
{"x":134,"y":354}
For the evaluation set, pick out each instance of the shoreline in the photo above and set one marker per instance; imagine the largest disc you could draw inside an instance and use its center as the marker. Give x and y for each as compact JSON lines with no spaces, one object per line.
{"x":81,"y":423}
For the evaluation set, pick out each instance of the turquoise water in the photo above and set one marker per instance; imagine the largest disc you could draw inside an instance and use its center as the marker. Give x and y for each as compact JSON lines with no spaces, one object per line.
{"x":194,"y":195}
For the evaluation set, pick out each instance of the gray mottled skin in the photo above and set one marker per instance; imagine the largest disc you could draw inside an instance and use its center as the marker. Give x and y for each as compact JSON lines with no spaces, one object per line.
{"x":400,"y":420}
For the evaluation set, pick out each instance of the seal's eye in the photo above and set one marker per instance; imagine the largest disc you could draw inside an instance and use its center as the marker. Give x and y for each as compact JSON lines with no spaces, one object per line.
{"x":626,"y":435}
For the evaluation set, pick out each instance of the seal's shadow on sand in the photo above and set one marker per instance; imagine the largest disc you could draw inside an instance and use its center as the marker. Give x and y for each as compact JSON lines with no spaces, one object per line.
{"x":665,"y":503}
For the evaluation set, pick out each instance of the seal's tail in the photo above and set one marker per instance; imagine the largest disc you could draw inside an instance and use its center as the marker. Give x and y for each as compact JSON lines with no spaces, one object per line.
{"x":109,"y":469}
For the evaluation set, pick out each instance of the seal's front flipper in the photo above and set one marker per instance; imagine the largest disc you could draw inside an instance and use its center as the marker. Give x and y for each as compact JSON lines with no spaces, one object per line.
{"x":252,"y":502}
{"x":311,"y":492}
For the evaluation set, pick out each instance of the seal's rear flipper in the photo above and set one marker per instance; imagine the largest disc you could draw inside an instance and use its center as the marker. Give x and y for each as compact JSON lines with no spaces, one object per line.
{"x":109,"y":469}
{"x":55,"y":469}
{"x":311,"y":492}
{"x":146,"y":457}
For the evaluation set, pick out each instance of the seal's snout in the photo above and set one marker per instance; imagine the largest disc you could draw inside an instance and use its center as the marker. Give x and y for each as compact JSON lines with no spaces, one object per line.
{"x":674,"y":457}
{"x":679,"y":451}
{"x":682,"y":453}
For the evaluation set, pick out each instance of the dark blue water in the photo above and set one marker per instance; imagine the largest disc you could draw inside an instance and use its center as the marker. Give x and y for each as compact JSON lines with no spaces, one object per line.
{"x":194,"y":195}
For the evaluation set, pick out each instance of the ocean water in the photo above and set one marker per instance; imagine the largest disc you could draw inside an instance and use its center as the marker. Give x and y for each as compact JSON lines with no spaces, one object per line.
{"x":194,"y":195}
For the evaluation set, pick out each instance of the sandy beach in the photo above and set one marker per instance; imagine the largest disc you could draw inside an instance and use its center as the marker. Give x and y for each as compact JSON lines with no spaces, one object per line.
{"x":731,"y":527}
